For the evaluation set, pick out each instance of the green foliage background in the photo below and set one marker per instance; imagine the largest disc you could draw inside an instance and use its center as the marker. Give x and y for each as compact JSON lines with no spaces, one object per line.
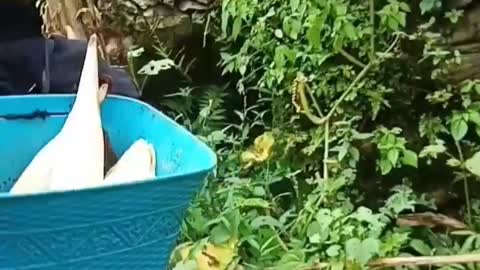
{"x":353,"y":97}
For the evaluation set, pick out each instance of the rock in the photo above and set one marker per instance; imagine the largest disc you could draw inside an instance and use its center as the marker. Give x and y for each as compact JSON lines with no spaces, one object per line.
{"x":465,"y":37}
{"x":147,"y":21}
{"x":458,"y":3}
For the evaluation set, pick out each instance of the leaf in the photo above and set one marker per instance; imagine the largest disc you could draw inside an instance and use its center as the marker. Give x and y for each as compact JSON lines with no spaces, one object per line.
{"x":259,"y":191}
{"x":393,"y":155}
{"x":432,"y":150}
{"x":155,"y":66}
{"x":333,"y":250}
{"x":337,"y":265}
{"x":350,"y":31}
{"x":364,"y":214}
{"x":361,"y":251}
{"x":237,"y":25}
{"x":265,"y":221}
{"x":254,"y":202}
{"x":225,"y":18}
{"x":197,"y":220}
{"x":341,"y":9}
{"x":294,"y":5}
{"x":410,"y":158}
{"x":295,"y":28}
{"x":429,"y":5}
{"x":278,"y":33}
{"x":313,"y":33}
{"x":316,"y":233}
{"x":468,"y":244}
{"x":136,"y":53}
{"x":315,"y":238}
{"x":385,"y":166}
{"x":368,"y":249}
{"x":473,"y":164}
{"x":421,"y":247}
{"x":279,"y":57}
{"x":404,"y":6}
{"x":354,"y":153}
{"x":392,"y":23}
{"x":219,"y":234}
{"x":217,"y":136}
{"x":293,"y":259}
{"x":351,"y":248}
{"x":453,"y":162}
{"x":187,"y":265}
{"x":474,"y":117}
{"x":343,"y":150}
{"x":400,"y":201}
{"x":458,"y":128}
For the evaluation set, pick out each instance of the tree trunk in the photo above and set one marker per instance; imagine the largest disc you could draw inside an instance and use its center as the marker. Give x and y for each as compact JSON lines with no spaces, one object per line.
{"x":73,"y":19}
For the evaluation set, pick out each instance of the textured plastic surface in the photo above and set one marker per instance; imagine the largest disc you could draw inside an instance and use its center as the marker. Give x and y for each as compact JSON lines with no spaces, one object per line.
{"x":132,"y":226}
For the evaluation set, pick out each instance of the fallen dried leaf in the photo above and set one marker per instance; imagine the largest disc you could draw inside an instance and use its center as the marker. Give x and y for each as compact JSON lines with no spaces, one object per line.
{"x":430,"y":220}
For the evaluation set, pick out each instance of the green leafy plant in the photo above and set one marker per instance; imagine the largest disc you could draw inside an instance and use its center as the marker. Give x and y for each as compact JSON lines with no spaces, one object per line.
{"x":329,"y":126}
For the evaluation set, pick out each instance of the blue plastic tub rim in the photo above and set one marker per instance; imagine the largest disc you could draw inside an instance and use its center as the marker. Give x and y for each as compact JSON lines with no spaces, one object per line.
{"x":170,"y":176}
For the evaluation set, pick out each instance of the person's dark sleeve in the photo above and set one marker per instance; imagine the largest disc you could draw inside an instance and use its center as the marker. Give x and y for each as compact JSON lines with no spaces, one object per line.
{"x":66,"y":64}
{"x":23,"y":63}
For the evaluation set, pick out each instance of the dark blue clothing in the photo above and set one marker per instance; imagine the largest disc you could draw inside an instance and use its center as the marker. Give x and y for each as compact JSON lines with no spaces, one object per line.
{"x":39,"y":65}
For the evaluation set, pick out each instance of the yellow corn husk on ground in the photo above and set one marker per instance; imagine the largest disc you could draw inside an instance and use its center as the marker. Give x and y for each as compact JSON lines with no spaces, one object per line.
{"x":212,"y":257}
{"x":261,"y":150}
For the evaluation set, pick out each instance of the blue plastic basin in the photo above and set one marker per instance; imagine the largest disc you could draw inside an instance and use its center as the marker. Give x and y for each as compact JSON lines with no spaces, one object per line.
{"x":132,"y":226}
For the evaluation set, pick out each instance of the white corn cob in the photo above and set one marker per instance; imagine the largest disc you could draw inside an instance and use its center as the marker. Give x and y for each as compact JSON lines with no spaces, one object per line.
{"x":136,"y":164}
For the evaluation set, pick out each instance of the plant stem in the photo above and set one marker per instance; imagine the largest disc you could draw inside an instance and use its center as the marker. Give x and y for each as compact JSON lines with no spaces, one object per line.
{"x":325,"y":151}
{"x":351,"y":87}
{"x":144,"y":82}
{"x":314,"y":100}
{"x":320,"y":121}
{"x":205,"y":32}
{"x":465,"y":185}
{"x":324,"y":120}
{"x":351,"y":58}
{"x":372,"y":23}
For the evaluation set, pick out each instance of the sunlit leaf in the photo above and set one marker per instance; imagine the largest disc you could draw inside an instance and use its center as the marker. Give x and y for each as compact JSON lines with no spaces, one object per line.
{"x":410,"y":158}
{"x":473,"y":164}
{"x":155,"y":66}
{"x":421,"y":247}
{"x":458,"y":128}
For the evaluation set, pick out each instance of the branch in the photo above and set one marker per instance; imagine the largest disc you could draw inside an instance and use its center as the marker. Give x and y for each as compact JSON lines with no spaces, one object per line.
{"x":306,"y":107}
{"x":412,"y":261}
{"x":426,"y":260}
{"x":320,"y":121}
{"x":351,"y":58}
